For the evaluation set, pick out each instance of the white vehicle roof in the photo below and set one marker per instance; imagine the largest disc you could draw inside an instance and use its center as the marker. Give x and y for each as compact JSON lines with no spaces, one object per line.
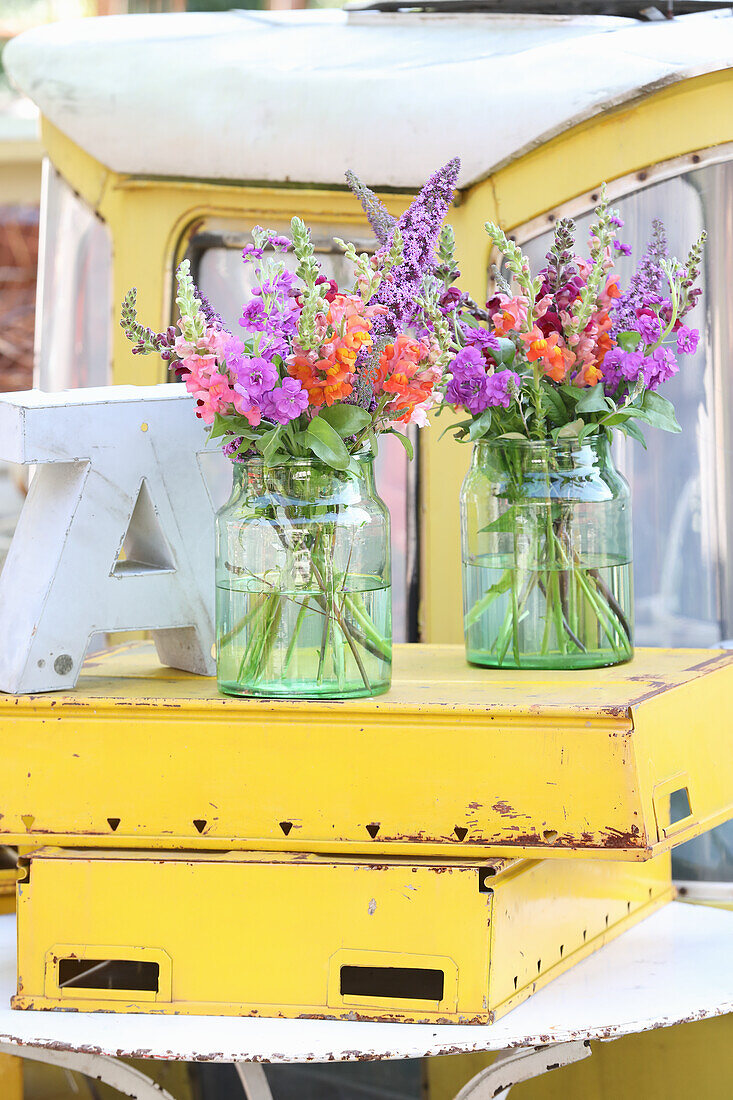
{"x":300,"y":96}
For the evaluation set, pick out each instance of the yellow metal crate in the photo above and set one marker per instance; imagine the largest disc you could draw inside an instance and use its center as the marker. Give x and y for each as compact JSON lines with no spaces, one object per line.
{"x":453,"y":760}
{"x":303,"y":935}
{"x":8,"y":875}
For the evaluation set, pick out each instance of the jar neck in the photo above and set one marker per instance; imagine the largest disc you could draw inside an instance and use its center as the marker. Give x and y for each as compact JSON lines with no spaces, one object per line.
{"x":305,"y":477}
{"x":565,"y":454}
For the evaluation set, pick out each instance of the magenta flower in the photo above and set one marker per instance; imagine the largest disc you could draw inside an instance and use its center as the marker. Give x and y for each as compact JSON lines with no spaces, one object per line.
{"x":659,"y":367}
{"x":255,"y":377}
{"x":687,"y":340}
{"x":254,"y":315}
{"x":285,"y":402}
{"x":647,"y":324}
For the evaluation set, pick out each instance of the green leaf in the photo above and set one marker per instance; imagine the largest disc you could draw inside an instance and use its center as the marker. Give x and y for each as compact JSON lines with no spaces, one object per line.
{"x":272,"y":447}
{"x":346,"y":419}
{"x":590,"y":429}
{"x":573,"y":393}
{"x":455,"y":426}
{"x":480,"y":425}
{"x":631,"y":428}
{"x":592,"y":400}
{"x":512,"y":435}
{"x":659,"y":412}
{"x":507,"y":351}
{"x":327,"y":444}
{"x":628,"y":341}
{"x":553,"y":403}
{"x":405,"y":441}
{"x":221,"y":426}
{"x":570,"y":431}
{"x":506,"y":522}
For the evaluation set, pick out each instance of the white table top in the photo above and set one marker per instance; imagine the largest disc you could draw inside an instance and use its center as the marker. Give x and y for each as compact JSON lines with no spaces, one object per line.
{"x":673,"y":967}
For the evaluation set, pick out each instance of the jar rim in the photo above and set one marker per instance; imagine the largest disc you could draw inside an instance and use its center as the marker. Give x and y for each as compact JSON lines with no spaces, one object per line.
{"x":564,"y":443}
{"x":364,"y":456}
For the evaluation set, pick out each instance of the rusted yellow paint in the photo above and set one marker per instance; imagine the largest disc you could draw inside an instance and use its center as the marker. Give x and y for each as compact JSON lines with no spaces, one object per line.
{"x":353,"y":918}
{"x":145,"y":756}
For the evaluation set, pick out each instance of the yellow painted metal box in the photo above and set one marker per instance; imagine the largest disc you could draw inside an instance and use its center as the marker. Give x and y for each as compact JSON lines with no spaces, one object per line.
{"x":303,"y":935}
{"x":453,"y":760}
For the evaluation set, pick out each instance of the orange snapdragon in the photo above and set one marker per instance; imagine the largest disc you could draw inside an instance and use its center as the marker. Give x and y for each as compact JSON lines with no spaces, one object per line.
{"x":406,"y":372}
{"x":327,"y":375}
{"x":555,"y":359}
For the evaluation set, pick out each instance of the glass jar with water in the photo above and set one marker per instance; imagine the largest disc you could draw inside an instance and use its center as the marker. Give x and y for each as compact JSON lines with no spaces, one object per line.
{"x":303,"y":594}
{"x":547,"y":565}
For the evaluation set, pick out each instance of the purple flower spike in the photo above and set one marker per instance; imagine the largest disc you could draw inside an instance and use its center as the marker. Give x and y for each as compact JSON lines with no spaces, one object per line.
{"x":420,"y":227}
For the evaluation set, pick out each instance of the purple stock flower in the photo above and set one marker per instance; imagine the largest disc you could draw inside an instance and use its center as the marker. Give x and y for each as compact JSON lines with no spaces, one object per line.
{"x":479,"y":338}
{"x":254,"y":315}
{"x":285,"y":402}
{"x":502,"y":386}
{"x":630,"y":366}
{"x":473,"y":389}
{"x":647,"y":324}
{"x":687,"y":340}
{"x":660,"y":366}
{"x":255,"y":377}
{"x":622,"y":249}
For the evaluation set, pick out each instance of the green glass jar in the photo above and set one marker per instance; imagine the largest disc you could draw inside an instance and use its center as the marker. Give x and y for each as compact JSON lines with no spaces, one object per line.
{"x":547,"y":573}
{"x":303,"y":593}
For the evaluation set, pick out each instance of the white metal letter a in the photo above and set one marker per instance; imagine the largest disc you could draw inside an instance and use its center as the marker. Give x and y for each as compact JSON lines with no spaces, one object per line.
{"x":117,"y":532}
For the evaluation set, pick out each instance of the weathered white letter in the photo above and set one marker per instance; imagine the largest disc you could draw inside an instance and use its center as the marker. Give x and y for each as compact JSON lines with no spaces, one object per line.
{"x":117,"y":532}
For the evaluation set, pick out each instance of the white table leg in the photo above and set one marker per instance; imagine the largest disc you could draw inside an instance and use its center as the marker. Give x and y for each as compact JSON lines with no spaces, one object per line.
{"x":513,"y":1066}
{"x":128,"y":1081}
{"x":253,"y":1081}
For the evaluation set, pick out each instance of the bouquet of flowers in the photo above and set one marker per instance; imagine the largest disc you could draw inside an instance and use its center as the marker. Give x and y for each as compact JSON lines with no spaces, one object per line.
{"x":315,"y":373}
{"x":545,"y":374}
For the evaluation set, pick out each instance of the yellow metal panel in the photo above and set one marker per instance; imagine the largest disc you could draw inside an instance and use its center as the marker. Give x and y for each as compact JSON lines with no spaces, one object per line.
{"x":692,"y":1060}
{"x":11,"y":1077}
{"x":8,"y":877}
{"x":309,"y":935}
{"x":550,"y":763}
{"x":151,"y":221}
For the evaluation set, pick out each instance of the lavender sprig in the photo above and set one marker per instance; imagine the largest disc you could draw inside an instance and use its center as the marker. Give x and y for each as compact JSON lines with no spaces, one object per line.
{"x":646,"y":284}
{"x":379,"y":218}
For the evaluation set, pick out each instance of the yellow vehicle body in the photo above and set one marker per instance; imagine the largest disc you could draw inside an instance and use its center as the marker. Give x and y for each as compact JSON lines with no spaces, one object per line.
{"x":454,"y":761}
{"x":8,"y":878}
{"x":152,"y":221}
{"x":298,"y":935}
